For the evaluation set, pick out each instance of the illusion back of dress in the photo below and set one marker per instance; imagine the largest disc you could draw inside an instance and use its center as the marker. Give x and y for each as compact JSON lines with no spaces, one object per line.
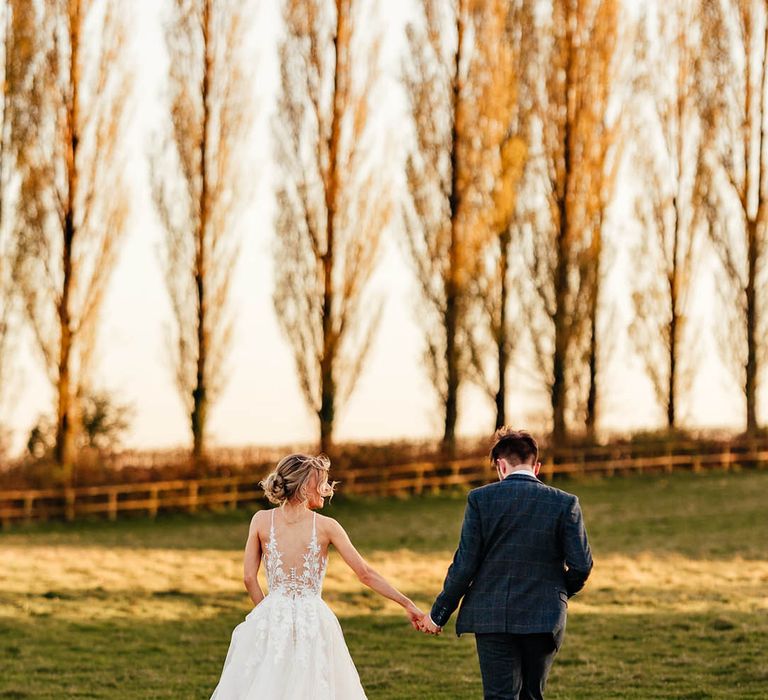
{"x":296,"y":576}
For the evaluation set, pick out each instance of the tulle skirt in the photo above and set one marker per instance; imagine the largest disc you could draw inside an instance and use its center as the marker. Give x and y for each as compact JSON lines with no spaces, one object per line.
{"x":289,"y":649}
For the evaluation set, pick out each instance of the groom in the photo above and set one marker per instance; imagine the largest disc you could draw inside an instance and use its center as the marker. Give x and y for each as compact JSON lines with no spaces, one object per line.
{"x":523,"y":553}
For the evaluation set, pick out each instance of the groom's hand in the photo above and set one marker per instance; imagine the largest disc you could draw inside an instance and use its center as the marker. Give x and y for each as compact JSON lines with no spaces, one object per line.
{"x":428,"y":627}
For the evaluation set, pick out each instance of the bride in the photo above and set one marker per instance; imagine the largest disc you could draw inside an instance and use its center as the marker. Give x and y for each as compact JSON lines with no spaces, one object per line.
{"x":290,"y":646}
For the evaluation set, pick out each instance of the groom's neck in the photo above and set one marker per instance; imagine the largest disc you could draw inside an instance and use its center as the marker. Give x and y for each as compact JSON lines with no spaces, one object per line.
{"x":520,"y":467}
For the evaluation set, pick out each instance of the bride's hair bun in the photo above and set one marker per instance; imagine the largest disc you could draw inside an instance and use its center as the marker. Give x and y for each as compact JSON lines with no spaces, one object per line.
{"x":291,"y":477}
{"x":275,"y":488}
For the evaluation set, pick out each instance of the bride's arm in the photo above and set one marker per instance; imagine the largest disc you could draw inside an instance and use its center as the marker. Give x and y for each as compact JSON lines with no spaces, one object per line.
{"x":366,"y":573}
{"x":252,"y":562}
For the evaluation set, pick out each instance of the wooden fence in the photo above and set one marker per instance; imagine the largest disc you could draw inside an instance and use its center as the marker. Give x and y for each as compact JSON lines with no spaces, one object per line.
{"x":25,"y":506}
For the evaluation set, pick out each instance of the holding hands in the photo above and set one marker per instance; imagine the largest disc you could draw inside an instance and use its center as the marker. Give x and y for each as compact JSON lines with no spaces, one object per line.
{"x":428,"y":627}
{"x":421,"y":621}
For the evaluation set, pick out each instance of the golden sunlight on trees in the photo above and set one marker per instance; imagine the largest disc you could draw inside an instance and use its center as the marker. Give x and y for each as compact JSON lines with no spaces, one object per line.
{"x":441,"y":210}
{"x":66,"y":120}
{"x":605,"y":140}
{"x":737,"y":158}
{"x":669,"y":204}
{"x":537,"y":135}
{"x":500,"y":113}
{"x":569,"y":170}
{"x":332,"y":199}
{"x":198,"y":188}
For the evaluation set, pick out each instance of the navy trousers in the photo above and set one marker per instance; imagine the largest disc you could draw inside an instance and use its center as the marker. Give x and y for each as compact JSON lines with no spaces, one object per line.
{"x":515,"y":666}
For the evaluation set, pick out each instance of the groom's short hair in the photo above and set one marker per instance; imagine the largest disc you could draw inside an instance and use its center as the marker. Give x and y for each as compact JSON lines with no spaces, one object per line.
{"x":508,"y":444}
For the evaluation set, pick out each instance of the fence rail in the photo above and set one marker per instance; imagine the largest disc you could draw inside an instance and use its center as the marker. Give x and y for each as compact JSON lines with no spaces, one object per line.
{"x":150,"y":498}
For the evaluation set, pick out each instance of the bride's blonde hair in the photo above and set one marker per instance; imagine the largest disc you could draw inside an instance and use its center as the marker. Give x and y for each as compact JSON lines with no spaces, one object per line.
{"x":290,"y":479}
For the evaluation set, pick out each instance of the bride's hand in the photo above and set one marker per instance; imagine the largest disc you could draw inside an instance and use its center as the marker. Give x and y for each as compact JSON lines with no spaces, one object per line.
{"x":414,"y":615}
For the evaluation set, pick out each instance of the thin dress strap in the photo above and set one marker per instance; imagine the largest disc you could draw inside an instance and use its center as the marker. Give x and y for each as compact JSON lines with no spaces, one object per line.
{"x":272,"y":524}
{"x":314,"y":529}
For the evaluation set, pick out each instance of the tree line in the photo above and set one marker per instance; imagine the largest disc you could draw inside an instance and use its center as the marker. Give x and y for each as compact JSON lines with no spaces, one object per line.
{"x":522,"y":117}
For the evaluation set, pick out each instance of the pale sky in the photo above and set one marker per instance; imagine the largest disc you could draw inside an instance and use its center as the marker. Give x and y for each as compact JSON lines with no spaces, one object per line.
{"x":262,"y":403}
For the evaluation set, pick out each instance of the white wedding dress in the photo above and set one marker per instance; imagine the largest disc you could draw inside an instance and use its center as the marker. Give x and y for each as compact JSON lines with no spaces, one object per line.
{"x":290,"y":646}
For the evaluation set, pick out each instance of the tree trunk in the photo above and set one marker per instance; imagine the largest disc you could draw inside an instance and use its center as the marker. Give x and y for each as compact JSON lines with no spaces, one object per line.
{"x":674,"y":317}
{"x":591,"y":420}
{"x":562,"y":331}
{"x":326,"y":412}
{"x":452,"y":290}
{"x":558,"y":393}
{"x":755,"y":254}
{"x":198,"y":418}
{"x":672,"y":378}
{"x":594,"y":346}
{"x":452,"y":388}
{"x":502,"y":340}
{"x":754,"y":249}
{"x":750,"y":385}
{"x":326,"y":423}
{"x":199,"y":394}
{"x":563,"y":244}
{"x":500,"y":398}
{"x":64,"y":449}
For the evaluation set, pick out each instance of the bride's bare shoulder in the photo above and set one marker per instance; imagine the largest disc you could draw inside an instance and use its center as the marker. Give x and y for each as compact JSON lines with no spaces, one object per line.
{"x":325,"y":520}
{"x":259,"y":519}
{"x":329,"y":525}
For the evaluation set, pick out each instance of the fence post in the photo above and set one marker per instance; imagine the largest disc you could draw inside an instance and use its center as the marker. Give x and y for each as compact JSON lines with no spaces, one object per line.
{"x":419,"y":487}
{"x":726,"y":458}
{"x":233,"y":496}
{"x":153,"y":502}
{"x":696,"y":464}
{"x":193,"y":489}
{"x":29,"y":500}
{"x":112,"y":506}
{"x":69,"y":504}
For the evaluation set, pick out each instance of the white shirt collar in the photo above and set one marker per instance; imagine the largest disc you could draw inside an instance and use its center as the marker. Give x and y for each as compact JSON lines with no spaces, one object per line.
{"x":522,"y":470}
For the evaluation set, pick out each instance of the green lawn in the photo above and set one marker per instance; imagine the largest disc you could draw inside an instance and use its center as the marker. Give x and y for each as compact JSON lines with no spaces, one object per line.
{"x":677,"y":606}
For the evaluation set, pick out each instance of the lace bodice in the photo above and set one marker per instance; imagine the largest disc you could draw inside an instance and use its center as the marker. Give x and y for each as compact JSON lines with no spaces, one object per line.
{"x":294,"y":583}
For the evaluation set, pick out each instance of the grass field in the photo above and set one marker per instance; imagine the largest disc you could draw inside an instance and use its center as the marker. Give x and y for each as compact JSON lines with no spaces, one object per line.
{"x":677,"y":606}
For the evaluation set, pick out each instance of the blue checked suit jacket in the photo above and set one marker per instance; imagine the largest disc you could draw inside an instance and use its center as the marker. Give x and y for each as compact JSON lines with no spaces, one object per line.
{"x":523,"y":552}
